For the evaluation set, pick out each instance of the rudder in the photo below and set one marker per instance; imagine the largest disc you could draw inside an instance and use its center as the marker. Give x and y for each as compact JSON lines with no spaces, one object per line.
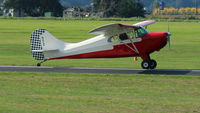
{"x":36,"y":44}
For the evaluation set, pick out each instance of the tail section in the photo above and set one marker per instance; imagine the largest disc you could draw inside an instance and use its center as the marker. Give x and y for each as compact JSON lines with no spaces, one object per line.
{"x":36,"y":44}
{"x":43,"y":44}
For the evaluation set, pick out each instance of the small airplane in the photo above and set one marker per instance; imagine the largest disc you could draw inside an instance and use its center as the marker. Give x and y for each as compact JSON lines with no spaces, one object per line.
{"x":113,"y":41}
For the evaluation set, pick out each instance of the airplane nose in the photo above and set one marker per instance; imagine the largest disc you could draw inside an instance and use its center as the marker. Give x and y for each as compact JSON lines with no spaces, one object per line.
{"x":168,"y":34}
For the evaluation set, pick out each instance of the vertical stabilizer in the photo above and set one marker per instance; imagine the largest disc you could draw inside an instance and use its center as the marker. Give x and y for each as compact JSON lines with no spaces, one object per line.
{"x":44,"y":45}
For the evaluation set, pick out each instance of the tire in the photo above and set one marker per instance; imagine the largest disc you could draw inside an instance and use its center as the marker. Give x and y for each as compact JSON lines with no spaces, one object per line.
{"x":153,"y":64}
{"x":146,"y":64}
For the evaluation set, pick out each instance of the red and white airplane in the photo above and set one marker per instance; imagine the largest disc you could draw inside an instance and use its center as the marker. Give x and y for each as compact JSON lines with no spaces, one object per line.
{"x":113,"y":41}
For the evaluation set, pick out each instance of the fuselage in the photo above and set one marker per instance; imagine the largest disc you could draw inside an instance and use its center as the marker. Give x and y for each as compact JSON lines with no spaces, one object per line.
{"x":102,"y":47}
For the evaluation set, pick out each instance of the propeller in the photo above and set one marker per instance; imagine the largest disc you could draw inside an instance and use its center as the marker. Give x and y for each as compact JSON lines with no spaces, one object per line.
{"x":168,"y":36}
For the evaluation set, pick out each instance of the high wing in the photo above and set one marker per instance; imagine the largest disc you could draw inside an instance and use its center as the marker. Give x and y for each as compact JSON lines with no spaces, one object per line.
{"x":145,"y":23}
{"x":113,"y":29}
{"x":116,"y":29}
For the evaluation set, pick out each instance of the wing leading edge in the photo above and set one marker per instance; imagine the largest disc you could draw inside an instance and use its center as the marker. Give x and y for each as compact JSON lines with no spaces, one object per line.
{"x":116,"y":29}
{"x":113,"y":29}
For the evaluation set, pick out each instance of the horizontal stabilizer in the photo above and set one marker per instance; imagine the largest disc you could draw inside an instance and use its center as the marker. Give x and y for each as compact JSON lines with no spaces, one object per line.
{"x":44,"y":50}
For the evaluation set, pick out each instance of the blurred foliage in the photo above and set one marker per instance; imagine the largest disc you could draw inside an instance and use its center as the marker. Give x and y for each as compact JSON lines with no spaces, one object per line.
{"x":174,"y":11}
{"x":35,"y":7}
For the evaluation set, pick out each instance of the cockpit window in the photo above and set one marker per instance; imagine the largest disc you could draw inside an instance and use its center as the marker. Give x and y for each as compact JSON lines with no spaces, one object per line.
{"x":130,"y":35}
{"x":140,"y":32}
{"x":117,"y":38}
{"x":113,"y":39}
{"x":123,"y":36}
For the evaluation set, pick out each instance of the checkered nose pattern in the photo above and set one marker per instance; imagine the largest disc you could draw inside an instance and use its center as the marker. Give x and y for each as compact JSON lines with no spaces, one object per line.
{"x":36,"y":44}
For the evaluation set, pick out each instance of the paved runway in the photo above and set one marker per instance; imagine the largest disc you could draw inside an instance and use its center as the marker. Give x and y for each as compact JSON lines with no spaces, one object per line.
{"x":97,"y":70}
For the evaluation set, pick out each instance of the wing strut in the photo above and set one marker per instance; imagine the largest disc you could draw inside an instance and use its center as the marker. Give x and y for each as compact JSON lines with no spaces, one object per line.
{"x":134,"y":47}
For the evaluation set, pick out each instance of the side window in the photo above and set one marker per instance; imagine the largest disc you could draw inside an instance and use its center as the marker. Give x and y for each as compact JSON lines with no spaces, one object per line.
{"x":123,"y":36}
{"x":131,"y":34}
{"x":113,"y":39}
{"x":136,"y":34}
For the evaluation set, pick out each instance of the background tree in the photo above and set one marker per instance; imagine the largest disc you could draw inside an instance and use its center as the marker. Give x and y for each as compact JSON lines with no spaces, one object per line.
{"x":156,"y":4}
{"x":107,"y":7}
{"x":130,"y":8}
{"x":50,"y":6}
{"x":35,"y":7}
{"x":147,"y":3}
{"x":121,"y":8}
{"x":71,"y":3}
{"x":175,"y":11}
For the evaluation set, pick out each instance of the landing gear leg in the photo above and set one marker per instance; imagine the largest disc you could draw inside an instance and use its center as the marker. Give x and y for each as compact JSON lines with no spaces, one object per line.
{"x":39,"y":64}
{"x":147,"y":62}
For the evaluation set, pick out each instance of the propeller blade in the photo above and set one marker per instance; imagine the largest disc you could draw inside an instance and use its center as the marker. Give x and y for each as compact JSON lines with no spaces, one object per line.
{"x":168,"y":27}
{"x":169,"y":34}
{"x":169,"y":42}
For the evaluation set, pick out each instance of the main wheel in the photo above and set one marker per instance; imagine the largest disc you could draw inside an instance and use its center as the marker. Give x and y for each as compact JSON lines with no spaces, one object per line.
{"x":153,"y":64}
{"x":146,"y":64}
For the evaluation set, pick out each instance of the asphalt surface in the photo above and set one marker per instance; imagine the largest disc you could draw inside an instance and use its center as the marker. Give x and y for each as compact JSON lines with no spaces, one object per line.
{"x":97,"y":70}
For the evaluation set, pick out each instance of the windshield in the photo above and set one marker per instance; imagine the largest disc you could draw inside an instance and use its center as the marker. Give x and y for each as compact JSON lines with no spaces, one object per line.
{"x":141,"y":32}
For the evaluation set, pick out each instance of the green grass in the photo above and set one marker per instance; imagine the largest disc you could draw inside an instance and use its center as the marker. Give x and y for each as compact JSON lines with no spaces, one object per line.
{"x":15,"y":43}
{"x":98,"y":93}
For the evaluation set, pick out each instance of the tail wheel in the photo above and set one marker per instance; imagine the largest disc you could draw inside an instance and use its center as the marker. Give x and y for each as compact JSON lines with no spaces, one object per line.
{"x":38,"y":64}
{"x":153,"y":64}
{"x":146,"y":64}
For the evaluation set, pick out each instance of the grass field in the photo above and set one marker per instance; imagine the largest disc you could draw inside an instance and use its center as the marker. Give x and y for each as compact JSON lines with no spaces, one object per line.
{"x":89,"y":93}
{"x":15,"y":43}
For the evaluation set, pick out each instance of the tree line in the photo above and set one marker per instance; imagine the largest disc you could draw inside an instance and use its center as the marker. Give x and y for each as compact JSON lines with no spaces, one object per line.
{"x":174,"y":11}
{"x":35,"y":7}
{"x":119,"y":8}
{"x":149,"y":4}
{"x":71,"y":3}
{"x":109,"y":8}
